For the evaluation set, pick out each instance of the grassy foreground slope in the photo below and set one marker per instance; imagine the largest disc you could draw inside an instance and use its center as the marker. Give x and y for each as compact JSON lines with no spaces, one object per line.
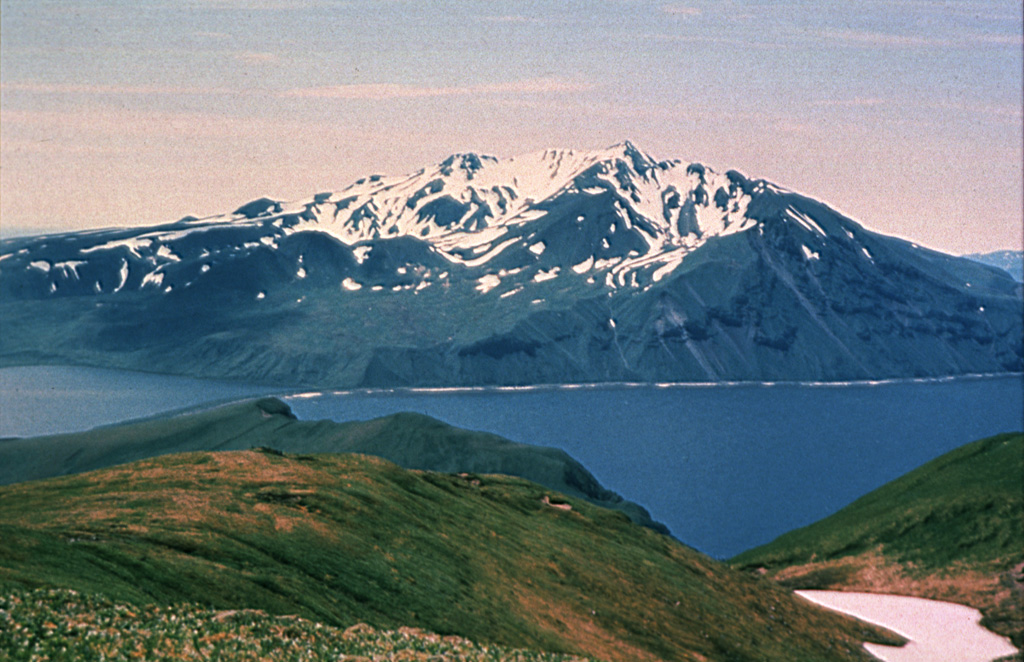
{"x":60,"y":624}
{"x":412,"y":441}
{"x":343,"y":539}
{"x":953,"y":529}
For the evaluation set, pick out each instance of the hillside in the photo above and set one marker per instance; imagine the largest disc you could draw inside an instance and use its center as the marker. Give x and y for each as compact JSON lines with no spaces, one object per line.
{"x":65,"y":624}
{"x":345,"y":538}
{"x":952,"y":529}
{"x":410,"y":440}
{"x":553,"y":267}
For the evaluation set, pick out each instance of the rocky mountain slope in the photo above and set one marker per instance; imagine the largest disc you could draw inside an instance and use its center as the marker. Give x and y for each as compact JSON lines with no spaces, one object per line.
{"x":343,"y":539}
{"x":949,"y":530}
{"x":557,"y":266}
{"x":410,"y":440}
{"x":1010,"y":261}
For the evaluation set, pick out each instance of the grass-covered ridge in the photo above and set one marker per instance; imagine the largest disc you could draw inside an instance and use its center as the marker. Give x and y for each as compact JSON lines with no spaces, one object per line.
{"x":342,"y":539}
{"x":413,"y":441}
{"x":952,"y":529}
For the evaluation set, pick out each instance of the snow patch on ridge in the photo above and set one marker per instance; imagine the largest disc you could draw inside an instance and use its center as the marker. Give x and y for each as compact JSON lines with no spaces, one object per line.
{"x":69,"y":268}
{"x":666,"y":269}
{"x":166,"y":253}
{"x":516,"y":290}
{"x":361,"y":253}
{"x":809,"y":254}
{"x":806,"y":221}
{"x":543,"y":275}
{"x":487,"y":283}
{"x":154,"y":278}
{"x":584,"y":266}
{"x":122,"y":276}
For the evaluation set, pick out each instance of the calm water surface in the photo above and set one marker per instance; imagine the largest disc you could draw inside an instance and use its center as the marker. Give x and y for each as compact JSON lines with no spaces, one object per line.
{"x":725,"y":467}
{"x":37,"y":400}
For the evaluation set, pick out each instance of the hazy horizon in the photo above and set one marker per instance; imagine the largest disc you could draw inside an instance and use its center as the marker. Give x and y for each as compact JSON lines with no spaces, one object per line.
{"x":905,"y":116}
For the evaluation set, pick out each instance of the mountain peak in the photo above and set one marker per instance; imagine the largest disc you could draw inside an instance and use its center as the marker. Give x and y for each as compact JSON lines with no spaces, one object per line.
{"x":469,"y":162}
{"x":662,"y":270}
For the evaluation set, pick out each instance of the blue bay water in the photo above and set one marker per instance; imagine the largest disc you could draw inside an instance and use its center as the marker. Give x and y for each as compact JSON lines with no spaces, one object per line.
{"x":726,"y":467}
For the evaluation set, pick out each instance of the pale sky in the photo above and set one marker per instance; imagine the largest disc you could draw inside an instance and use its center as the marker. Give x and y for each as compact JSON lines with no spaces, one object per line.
{"x":904,"y":114}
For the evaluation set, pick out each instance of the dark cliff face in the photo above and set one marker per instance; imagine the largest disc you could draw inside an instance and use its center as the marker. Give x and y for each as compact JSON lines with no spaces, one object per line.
{"x":621,"y":274}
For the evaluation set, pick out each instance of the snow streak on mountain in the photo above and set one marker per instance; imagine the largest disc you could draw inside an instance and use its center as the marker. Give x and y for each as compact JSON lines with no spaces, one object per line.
{"x":553,"y":266}
{"x":634,"y":219}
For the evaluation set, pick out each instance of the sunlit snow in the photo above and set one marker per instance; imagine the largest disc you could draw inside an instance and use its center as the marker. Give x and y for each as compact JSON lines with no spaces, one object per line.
{"x":542,"y":275}
{"x":361,"y":253}
{"x":517,"y":290}
{"x":69,"y":267}
{"x":155,"y":278}
{"x":937,"y":631}
{"x":165,"y":252}
{"x":487,"y":283}
{"x":584,"y":266}
{"x":805,"y":220}
{"x":122,"y":276}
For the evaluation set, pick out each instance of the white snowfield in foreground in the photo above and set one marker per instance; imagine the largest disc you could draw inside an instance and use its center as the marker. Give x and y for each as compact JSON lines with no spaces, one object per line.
{"x":937,"y":631}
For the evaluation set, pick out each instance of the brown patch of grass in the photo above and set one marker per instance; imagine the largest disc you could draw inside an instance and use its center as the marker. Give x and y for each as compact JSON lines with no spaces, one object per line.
{"x":873,"y":572}
{"x":578,"y":631}
{"x":281,"y":519}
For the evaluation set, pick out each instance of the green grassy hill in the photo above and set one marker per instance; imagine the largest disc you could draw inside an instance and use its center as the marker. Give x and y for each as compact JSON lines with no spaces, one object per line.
{"x":412,"y":441}
{"x":952,"y":529}
{"x":342,"y":539}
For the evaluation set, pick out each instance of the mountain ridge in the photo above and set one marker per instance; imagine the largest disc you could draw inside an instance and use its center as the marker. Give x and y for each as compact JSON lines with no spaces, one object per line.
{"x":553,"y":267}
{"x":1010,"y":261}
{"x":414,"y":441}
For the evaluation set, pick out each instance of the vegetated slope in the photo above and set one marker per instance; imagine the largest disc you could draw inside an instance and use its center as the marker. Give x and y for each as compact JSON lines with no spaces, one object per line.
{"x":413,"y":441}
{"x":348,"y":538}
{"x":554,"y":267}
{"x":952,"y":529}
{"x":60,"y":624}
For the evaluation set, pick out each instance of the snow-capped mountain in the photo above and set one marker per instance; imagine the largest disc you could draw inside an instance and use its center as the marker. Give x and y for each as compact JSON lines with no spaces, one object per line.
{"x":634,"y":217}
{"x":554,"y":266}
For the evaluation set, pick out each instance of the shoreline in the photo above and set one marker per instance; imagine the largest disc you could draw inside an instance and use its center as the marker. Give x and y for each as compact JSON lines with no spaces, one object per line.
{"x":597,"y":386}
{"x":304,"y":392}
